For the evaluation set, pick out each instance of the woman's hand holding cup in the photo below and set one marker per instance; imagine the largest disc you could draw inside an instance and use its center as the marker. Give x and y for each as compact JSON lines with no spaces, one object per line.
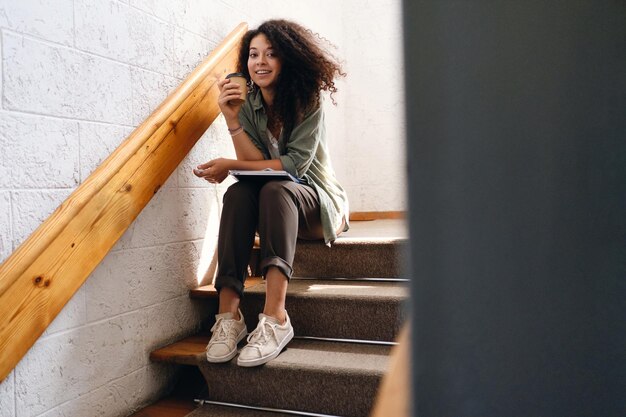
{"x":232,"y":95}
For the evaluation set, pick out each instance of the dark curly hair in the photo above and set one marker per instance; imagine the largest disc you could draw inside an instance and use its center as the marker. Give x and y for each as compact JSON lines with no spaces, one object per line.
{"x":307,"y":69}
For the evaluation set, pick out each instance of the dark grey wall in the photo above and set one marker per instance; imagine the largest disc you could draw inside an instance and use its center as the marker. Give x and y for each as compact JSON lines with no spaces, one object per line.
{"x":516,"y":146}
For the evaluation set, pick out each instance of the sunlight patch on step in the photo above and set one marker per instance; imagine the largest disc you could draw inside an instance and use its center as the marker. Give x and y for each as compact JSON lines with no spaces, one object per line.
{"x":321,"y":287}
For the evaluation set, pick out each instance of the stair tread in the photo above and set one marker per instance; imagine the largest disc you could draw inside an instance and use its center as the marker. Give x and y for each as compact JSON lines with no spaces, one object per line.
{"x":209,"y":291}
{"x":335,"y":303}
{"x":335,"y":356}
{"x":386,"y":228}
{"x":188,"y":351}
{"x":320,"y":355}
{"x":356,"y":241}
{"x":314,"y":376}
{"x":314,"y":288}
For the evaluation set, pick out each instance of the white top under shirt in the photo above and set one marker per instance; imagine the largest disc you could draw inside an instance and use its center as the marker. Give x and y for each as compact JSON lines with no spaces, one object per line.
{"x":272,"y":146}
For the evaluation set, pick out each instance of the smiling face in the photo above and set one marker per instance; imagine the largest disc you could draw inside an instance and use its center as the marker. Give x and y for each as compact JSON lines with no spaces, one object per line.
{"x":264,"y":65}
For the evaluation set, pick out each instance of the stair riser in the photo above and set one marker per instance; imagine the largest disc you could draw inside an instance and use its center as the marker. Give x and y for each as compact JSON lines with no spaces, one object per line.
{"x":379,"y":260}
{"x":342,"y":260}
{"x":340,"y":318}
{"x":211,"y":410}
{"x":317,"y":391}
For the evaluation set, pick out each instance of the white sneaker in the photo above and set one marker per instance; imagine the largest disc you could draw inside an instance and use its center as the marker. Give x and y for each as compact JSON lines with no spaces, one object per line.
{"x":266,"y":341}
{"x":227,"y":332}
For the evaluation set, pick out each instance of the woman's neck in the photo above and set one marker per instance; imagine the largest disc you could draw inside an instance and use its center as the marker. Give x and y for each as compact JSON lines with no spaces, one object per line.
{"x":268,"y":96}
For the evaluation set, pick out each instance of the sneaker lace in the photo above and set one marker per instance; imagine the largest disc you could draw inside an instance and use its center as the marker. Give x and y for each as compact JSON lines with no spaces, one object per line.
{"x":221,"y":330}
{"x":261,"y":334}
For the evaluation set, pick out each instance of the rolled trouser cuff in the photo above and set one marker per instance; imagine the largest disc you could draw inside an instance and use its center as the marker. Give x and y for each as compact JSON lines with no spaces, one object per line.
{"x":230,"y":282}
{"x":278,"y":262}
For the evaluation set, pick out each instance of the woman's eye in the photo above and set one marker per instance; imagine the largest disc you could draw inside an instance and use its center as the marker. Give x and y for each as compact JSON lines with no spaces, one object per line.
{"x":252,"y":55}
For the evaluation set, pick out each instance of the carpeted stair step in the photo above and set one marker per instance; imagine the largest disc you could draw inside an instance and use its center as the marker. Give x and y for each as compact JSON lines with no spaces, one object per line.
{"x":311,"y":376}
{"x":369,"y":249}
{"x":345,"y":309}
{"x":346,"y":258}
{"x":350,"y":257}
{"x":363,"y":310}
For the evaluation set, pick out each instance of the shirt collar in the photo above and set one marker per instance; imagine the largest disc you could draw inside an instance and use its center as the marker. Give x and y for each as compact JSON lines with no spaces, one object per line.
{"x":256,"y":99}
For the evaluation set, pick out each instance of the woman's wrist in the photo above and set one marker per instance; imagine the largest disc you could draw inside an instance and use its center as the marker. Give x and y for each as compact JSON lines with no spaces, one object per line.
{"x":236,"y":131}
{"x":232,"y":124}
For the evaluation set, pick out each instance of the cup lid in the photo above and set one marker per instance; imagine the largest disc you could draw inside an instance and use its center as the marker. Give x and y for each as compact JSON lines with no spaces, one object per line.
{"x":235,"y":74}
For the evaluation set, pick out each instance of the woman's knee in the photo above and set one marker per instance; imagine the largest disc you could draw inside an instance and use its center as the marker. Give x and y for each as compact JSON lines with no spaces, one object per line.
{"x":241,"y":192}
{"x":276,"y":191}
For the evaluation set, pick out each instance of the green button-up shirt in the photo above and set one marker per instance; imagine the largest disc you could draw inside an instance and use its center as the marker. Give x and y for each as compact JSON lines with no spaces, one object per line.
{"x":304,"y":154}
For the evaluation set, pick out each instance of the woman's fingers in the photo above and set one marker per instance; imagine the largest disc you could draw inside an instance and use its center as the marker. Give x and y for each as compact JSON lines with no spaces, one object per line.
{"x":222,"y":83}
{"x":229,"y":94}
{"x":225,"y":88}
{"x":229,"y":107}
{"x":205,"y":165}
{"x":214,"y":171}
{"x":215,"y":179}
{"x":204,"y":170}
{"x":228,"y":91}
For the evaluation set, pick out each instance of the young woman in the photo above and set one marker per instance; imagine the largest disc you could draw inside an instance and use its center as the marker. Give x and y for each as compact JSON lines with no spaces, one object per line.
{"x":280,"y":126}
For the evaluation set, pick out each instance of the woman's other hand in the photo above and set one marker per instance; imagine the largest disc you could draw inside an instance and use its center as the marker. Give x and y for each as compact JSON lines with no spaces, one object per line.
{"x":214,"y":171}
{"x":229,"y":91}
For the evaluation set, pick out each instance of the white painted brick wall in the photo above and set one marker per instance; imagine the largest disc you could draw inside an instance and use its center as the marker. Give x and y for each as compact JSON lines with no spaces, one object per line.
{"x":149,"y":90}
{"x":6,"y":245}
{"x":373,"y":167}
{"x":77,"y":77}
{"x":135,"y":278}
{"x":97,"y":142}
{"x":117,"y":31}
{"x":73,"y":315}
{"x":49,"y":79}
{"x":45,"y":19}
{"x":187,"y":55}
{"x":31,"y":207}
{"x":53,"y":165}
{"x":114,"y":398}
{"x":7,"y":399}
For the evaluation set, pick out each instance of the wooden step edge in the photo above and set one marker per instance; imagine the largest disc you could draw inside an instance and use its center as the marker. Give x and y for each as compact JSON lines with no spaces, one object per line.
{"x":191,"y":350}
{"x":168,"y":407}
{"x":187,"y":351}
{"x":360,"y":216}
{"x":209,"y":291}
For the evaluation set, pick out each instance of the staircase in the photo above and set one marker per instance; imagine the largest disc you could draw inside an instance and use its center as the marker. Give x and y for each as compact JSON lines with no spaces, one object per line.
{"x":346,"y":307}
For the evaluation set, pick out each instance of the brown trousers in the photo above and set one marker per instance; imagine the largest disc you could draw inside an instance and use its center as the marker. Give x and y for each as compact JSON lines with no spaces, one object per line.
{"x":281,"y":211}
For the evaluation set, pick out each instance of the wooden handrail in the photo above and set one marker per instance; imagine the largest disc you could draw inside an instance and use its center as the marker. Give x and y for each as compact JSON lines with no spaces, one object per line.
{"x":43,"y":274}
